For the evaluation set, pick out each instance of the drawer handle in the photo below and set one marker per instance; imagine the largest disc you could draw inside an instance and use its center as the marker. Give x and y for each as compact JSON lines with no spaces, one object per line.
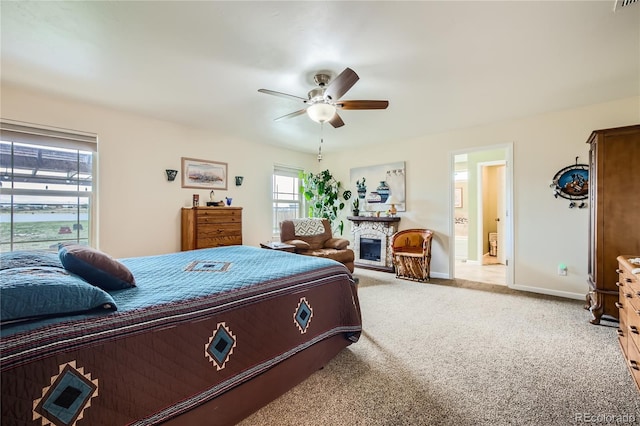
{"x":633,"y":364}
{"x":628,"y":296}
{"x":633,"y":329}
{"x":619,"y":271}
{"x":619,"y":305}
{"x":620,"y":332}
{"x":638,"y":312}
{"x":619,"y":284}
{"x":627,"y":280}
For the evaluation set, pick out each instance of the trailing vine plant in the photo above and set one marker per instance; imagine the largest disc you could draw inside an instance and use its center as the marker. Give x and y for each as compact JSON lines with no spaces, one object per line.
{"x":324,"y":196}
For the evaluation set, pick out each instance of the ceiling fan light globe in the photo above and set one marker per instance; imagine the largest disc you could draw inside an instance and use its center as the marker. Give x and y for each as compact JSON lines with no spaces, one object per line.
{"x":321,"y":112}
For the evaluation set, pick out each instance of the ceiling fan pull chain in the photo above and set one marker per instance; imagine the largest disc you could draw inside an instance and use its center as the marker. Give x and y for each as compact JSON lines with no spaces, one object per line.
{"x":321,"y":141}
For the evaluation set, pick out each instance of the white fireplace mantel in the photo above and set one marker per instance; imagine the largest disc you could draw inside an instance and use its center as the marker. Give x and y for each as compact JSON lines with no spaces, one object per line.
{"x":376,"y":228}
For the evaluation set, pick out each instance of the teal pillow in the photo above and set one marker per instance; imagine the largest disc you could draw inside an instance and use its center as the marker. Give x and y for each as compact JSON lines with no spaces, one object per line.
{"x":96,"y":267}
{"x":35,"y":292}
{"x":23,"y":259}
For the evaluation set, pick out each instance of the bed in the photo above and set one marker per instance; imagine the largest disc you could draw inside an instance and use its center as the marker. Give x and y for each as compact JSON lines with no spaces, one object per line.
{"x":203,"y":337}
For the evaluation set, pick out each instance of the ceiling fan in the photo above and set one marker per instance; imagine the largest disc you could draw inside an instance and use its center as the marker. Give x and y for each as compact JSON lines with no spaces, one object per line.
{"x":322,"y":102}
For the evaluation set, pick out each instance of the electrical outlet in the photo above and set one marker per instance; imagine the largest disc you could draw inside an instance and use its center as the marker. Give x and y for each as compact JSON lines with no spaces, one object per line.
{"x":562,"y":269}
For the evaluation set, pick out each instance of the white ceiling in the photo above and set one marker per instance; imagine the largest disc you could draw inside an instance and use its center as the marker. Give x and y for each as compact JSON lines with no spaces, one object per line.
{"x":442,"y":64}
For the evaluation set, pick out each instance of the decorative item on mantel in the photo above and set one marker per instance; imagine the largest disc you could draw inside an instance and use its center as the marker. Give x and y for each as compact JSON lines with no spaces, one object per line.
{"x":356,"y":207}
{"x":393,"y":200}
{"x":572,"y":183}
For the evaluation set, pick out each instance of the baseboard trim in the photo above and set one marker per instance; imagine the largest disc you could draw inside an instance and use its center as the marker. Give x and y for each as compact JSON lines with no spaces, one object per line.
{"x":565,"y":294}
{"x":439,"y":275}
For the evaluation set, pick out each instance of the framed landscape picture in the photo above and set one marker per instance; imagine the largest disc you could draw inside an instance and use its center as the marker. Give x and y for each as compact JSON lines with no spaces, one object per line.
{"x":203,"y":174}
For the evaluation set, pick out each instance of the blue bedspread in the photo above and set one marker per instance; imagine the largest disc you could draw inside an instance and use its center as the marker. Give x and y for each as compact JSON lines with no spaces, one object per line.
{"x":191,"y":274}
{"x":165,"y":280}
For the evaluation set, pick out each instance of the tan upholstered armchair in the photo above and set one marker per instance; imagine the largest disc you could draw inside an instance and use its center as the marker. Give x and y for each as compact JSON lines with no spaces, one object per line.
{"x":411,"y":252}
{"x":313,"y":237}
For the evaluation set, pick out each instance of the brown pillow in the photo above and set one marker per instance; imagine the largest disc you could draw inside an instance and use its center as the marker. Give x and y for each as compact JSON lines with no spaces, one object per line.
{"x":336,"y":243}
{"x":96,"y":267}
{"x":302,"y":245}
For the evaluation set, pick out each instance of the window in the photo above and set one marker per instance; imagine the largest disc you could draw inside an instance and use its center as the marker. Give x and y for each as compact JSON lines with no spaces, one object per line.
{"x":46,"y":187}
{"x":287,"y":202}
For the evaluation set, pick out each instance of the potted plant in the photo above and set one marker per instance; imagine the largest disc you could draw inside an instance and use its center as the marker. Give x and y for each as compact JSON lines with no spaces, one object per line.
{"x":356,"y":207}
{"x":324,"y":196}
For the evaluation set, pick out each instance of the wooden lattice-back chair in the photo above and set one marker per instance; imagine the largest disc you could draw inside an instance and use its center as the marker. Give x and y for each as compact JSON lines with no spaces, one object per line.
{"x":411,"y":253}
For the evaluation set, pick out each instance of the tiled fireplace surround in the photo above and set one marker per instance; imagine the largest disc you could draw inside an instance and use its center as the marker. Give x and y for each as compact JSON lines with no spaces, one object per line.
{"x":372,"y":241}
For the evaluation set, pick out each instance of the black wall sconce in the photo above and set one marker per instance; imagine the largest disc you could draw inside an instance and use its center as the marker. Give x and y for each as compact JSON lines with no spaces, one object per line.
{"x":239,"y":180}
{"x":171,"y":174}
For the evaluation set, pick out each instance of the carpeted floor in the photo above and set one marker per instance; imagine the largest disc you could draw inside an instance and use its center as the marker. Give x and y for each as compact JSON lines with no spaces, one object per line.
{"x":463,"y":353}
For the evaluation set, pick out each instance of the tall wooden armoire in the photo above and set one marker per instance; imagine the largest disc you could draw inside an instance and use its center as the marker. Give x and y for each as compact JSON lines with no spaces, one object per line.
{"x":614,"y":221}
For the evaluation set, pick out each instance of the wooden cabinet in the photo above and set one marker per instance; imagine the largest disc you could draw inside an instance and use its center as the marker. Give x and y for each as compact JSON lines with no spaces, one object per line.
{"x":614,"y":221}
{"x":204,"y":227}
{"x":629,"y":309}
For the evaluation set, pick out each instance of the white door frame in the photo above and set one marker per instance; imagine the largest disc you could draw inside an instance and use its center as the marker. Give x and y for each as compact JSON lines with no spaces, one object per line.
{"x":509,"y":214}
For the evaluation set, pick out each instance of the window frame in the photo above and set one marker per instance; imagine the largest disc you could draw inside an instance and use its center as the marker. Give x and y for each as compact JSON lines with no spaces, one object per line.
{"x":291,"y":172}
{"x":14,"y":132}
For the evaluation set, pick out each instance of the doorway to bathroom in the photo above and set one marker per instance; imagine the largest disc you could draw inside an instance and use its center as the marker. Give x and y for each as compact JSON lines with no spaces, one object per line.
{"x":480,"y":219}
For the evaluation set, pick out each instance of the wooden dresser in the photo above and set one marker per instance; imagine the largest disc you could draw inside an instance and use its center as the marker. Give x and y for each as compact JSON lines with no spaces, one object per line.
{"x":629,"y":306}
{"x":204,"y":227}
{"x":614,"y":203}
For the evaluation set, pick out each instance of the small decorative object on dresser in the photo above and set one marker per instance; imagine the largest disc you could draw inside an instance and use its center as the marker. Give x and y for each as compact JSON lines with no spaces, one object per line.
{"x":629,"y":305}
{"x":204,"y":227}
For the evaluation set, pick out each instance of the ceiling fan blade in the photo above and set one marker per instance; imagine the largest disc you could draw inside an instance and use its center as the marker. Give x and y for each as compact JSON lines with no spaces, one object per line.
{"x":341,"y":84}
{"x":291,"y":115}
{"x":336,"y":121}
{"x":362,"y":104}
{"x":282,"y":95}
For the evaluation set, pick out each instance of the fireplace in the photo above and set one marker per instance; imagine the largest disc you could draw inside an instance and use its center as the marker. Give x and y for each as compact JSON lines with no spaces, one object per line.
{"x":370,"y":249}
{"x":372,"y":241}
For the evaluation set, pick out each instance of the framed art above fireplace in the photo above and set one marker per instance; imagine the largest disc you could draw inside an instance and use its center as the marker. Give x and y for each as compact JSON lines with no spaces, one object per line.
{"x":374,"y":185}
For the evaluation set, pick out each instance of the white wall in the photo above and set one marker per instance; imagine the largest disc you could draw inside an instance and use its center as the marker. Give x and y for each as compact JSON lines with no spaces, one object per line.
{"x":546,"y":231}
{"x":139,"y":210}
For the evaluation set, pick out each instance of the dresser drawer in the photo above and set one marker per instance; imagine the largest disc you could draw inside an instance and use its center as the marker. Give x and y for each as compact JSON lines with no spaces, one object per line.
{"x":223,"y":215}
{"x":212,"y":230}
{"x":633,"y":361}
{"x":226,"y":240}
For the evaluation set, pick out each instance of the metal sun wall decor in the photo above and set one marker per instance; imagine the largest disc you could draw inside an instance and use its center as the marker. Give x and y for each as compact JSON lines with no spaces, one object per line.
{"x":572,"y":183}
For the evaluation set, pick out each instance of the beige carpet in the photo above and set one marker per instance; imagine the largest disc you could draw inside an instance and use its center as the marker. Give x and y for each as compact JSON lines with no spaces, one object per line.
{"x":462,"y":353}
